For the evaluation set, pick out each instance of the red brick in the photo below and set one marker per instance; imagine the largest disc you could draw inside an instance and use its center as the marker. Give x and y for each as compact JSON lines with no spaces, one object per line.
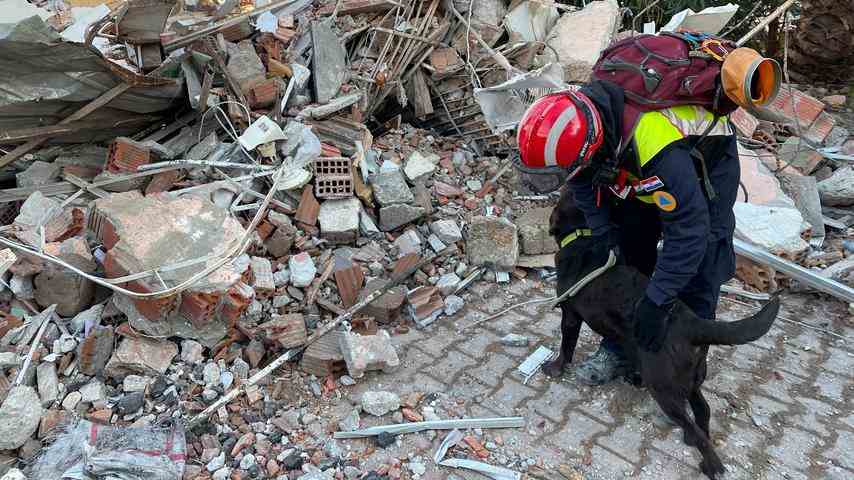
{"x":199,"y":307}
{"x":788,"y":102}
{"x":308,"y":208}
{"x":162,"y":182}
{"x":236,"y":302}
{"x":125,"y":155}
{"x":349,"y":281}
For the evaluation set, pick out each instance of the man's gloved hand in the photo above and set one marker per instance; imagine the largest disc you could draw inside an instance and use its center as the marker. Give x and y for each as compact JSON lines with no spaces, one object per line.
{"x":651,"y":323}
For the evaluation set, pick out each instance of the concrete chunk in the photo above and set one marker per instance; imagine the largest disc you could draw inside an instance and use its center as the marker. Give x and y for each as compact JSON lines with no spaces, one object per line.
{"x":48,"y":383}
{"x":20,"y":414}
{"x":302,"y":270}
{"x":396,"y":216}
{"x":288,"y":330}
{"x":420,"y":166}
{"x":579,"y":38}
{"x":245,"y":66}
{"x":339,"y":220}
{"x":390,"y":188}
{"x":447,"y":231}
{"x":776,"y":229}
{"x":380,"y":403}
{"x":39,"y":173}
{"x":142,"y":356}
{"x":804,"y":192}
{"x":534,"y":232}
{"x":838,"y":190}
{"x":364,"y":353}
{"x":492,"y":241}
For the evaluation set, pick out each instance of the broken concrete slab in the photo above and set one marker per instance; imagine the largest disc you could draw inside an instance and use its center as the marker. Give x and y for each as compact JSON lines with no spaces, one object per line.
{"x":531,"y":21}
{"x":390,"y":188}
{"x":142,"y":356}
{"x":339,"y":220}
{"x":763,"y":188}
{"x":245,"y":66}
{"x":20,"y":414}
{"x":776,"y":229}
{"x":579,"y":37}
{"x":493,"y":242}
{"x":396,"y":216}
{"x":420,"y":166}
{"x":329,"y":62}
{"x":145,"y":233}
{"x":363,"y":353}
{"x":838,"y":190}
{"x":447,"y":283}
{"x":534,"y":232}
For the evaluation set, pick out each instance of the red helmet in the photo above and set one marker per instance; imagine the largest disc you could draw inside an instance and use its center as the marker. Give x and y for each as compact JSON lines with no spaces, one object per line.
{"x":562,"y":129}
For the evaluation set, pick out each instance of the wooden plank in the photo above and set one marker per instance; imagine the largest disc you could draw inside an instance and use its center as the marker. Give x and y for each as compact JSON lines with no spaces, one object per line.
{"x":90,"y":107}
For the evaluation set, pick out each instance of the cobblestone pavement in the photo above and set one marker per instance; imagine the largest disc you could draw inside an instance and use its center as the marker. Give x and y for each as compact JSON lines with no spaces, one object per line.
{"x":781,"y":406}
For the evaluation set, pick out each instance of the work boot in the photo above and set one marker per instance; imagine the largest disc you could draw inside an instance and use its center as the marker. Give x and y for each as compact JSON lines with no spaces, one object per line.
{"x":602,"y":367}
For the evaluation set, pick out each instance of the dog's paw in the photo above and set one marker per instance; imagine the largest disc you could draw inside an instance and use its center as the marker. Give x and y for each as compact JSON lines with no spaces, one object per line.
{"x":554,"y":369}
{"x":712,"y":468}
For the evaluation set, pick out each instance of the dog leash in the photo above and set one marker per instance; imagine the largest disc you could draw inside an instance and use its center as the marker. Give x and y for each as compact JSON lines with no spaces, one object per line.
{"x":572,"y":291}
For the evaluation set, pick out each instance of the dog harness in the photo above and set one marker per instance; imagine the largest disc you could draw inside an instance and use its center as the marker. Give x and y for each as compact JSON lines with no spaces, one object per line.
{"x":581,"y":232}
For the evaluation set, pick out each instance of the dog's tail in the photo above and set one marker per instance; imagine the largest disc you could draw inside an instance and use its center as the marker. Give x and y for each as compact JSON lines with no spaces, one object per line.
{"x":710,"y":332}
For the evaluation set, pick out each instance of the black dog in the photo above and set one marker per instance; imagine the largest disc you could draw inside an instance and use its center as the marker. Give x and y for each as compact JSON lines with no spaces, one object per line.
{"x":674,"y":374}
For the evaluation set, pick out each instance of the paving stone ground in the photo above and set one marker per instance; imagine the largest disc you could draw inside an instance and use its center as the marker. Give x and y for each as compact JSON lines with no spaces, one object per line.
{"x":781,"y":406}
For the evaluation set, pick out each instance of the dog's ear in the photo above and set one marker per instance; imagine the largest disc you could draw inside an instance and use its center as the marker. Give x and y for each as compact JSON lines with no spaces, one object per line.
{"x":553,"y":219}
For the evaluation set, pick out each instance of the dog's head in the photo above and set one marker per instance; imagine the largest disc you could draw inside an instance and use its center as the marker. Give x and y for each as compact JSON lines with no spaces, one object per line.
{"x":566,"y":217}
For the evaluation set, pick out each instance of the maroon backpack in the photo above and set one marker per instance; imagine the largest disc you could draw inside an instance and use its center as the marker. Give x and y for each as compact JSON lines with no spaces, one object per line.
{"x":667,"y":70}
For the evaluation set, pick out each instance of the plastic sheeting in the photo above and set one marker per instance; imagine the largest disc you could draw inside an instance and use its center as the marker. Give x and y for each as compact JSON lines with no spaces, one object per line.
{"x":44,"y":79}
{"x":88,"y":451}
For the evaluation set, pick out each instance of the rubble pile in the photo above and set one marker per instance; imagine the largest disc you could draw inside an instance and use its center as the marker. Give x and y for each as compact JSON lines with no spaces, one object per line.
{"x":322,"y":152}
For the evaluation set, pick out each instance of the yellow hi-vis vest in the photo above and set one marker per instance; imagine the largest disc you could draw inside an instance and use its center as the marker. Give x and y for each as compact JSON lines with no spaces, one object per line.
{"x":658,"y":129}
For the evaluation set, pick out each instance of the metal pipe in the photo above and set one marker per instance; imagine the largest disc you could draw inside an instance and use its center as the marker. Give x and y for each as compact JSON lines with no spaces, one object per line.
{"x":799,"y":273}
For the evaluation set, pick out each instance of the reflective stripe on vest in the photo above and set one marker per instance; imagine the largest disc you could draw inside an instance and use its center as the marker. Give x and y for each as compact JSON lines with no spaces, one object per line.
{"x":656,"y":130}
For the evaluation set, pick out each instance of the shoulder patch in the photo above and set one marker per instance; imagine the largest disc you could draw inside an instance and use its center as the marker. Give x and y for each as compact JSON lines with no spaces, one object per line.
{"x":664,"y":200}
{"x":650,"y":184}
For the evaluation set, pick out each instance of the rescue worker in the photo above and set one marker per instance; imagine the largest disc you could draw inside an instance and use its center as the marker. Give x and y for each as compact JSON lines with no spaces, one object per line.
{"x":657,"y":183}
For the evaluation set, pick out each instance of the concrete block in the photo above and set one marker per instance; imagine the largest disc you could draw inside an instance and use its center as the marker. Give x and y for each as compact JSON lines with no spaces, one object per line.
{"x":534,"y":232}
{"x":799,"y":155}
{"x":364,"y":353}
{"x":492,"y":241}
{"x":339,"y":220}
{"x":409,"y":242}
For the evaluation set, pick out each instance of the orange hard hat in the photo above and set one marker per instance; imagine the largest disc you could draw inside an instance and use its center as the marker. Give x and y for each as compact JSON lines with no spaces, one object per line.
{"x":561,"y":129}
